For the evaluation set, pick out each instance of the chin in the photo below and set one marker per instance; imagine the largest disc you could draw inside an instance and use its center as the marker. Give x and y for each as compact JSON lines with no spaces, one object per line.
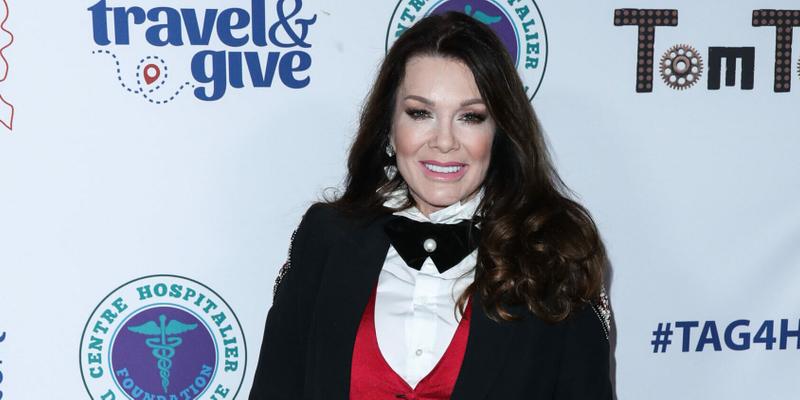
{"x":441,"y":200}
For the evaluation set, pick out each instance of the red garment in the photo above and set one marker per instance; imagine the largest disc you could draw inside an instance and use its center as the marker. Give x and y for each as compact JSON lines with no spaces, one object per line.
{"x":371,"y":377}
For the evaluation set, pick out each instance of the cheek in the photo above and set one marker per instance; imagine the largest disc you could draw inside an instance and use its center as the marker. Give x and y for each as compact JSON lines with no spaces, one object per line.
{"x":406,"y":140}
{"x":480,"y":149}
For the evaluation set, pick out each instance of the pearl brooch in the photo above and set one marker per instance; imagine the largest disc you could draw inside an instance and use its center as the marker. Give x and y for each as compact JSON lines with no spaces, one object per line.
{"x":429,"y":245}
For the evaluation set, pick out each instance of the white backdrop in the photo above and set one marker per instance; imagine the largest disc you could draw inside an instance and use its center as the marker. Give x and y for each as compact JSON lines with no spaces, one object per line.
{"x":695,"y":191}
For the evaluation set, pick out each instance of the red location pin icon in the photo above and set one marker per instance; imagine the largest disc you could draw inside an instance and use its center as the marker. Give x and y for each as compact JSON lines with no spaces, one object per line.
{"x":151,"y":73}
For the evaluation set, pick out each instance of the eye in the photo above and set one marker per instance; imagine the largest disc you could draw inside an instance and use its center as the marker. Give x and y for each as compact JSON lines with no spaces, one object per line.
{"x":418,"y":114}
{"x":473,"y":118}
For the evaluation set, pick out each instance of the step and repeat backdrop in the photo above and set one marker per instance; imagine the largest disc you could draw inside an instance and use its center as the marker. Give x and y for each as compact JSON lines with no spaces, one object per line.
{"x":155,"y":157}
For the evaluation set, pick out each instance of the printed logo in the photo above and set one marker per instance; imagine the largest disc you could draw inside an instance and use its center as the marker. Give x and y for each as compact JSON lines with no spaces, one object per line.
{"x":737,"y":335}
{"x":520,"y":27}
{"x":163,"y":337}
{"x":681,"y":66}
{"x":225,"y":47}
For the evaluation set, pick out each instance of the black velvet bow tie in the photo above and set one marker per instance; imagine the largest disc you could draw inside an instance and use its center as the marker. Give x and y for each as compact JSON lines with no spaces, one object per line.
{"x":446,"y":244}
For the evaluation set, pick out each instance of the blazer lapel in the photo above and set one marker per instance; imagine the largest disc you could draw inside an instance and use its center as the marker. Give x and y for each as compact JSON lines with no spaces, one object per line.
{"x":351,"y":274}
{"x":487,"y":350}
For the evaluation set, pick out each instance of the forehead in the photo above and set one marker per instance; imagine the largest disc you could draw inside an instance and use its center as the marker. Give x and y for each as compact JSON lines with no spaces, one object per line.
{"x":436,"y":77}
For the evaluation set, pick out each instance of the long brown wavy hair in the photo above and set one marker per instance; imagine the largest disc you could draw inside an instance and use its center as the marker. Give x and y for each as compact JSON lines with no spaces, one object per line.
{"x":538,"y":248}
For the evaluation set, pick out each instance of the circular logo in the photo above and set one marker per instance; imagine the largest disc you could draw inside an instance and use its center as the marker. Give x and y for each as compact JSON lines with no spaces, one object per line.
{"x":163,"y":337}
{"x":520,"y":27}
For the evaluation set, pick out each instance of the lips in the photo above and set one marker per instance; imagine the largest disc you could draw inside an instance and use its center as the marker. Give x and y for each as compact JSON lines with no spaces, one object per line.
{"x":443,"y":171}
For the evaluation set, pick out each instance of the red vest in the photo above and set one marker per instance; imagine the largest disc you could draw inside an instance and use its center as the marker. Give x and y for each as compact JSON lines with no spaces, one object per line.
{"x":371,"y":377}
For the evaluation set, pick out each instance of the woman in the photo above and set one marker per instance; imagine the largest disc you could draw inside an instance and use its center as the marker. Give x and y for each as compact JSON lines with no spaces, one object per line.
{"x":453,"y":265}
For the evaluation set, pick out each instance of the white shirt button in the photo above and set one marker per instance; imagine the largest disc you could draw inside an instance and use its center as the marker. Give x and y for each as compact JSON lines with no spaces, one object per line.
{"x":418,"y":352}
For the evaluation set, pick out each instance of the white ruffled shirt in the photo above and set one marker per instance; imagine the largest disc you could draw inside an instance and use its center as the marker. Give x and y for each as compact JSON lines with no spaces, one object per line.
{"x":415,"y":314}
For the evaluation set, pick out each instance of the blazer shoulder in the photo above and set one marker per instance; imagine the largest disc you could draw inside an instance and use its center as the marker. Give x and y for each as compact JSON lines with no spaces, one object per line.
{"x":323,"y":221}
{"x":310,"y":237}
{"x":602,"y":309}
{"x":322,"y":228}
{"x":327,"y":214}
{"x":592,"y":318}
{"x":590,"y":321}
{"x":319,"y":214}
{"x":336,"y":224}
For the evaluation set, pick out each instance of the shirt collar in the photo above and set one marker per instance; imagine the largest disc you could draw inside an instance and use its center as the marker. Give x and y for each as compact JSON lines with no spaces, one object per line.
{"x":451,"y":214}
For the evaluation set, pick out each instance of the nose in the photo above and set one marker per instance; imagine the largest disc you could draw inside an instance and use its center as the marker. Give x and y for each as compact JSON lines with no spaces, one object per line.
{"x":444,"y":139}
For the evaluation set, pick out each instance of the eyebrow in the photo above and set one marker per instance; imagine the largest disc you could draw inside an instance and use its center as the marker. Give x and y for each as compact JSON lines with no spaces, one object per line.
{"x":430,"y":103}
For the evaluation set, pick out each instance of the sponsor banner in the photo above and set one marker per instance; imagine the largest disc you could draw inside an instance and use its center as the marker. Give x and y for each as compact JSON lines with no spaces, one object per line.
{"x":163,"y":337}
{"x":187,"y":137}
{"x":232,"y":47}
{"x":681,"y":66}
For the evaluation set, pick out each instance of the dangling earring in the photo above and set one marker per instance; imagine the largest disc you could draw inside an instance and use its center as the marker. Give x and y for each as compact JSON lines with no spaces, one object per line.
{"x":391,"y":169}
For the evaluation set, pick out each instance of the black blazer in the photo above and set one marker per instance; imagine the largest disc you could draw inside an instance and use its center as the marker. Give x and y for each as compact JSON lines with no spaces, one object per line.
{"x":311,"y":328}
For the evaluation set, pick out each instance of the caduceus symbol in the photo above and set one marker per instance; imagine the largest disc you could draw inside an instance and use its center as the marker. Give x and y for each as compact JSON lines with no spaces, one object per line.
{"x":164,"y":342}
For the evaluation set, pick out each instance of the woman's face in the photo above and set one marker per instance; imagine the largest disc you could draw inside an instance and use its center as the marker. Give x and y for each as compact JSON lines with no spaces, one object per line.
{"x":441,"y":131}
